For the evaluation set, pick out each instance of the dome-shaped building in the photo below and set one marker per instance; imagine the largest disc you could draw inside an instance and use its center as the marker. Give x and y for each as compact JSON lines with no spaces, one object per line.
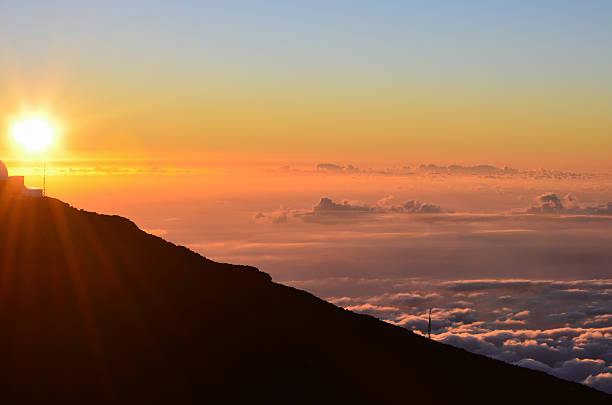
{"x":14,"y":187}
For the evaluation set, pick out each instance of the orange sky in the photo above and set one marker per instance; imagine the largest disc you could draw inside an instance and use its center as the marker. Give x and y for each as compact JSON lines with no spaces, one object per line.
{"x":216,"y":85}
{"x":292,"y":124}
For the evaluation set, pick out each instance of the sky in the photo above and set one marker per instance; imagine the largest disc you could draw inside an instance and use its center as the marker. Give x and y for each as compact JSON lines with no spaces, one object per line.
{"x":506,"y":83}
{"x":389,"y":157}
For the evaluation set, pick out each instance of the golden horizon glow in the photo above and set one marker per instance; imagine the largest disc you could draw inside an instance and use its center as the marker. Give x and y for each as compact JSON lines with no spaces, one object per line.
{"x":34,"y":134}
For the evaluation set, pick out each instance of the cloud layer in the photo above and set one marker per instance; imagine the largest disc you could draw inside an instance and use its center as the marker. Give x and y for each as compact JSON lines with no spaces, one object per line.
{"x":330,"y":211}
{"x":454,"y":170}
{"x":563,"y":328}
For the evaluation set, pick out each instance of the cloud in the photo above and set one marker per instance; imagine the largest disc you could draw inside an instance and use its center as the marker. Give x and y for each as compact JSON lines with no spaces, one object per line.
{"x":332,"y":167}
{"x":330,"y":211}
{"x":549,"y":203}
{"x":602,"y":382}
{"x":326,"y":205}
{"x":574,"y":354}
{"x":454,"y":170}
{"x":583,"y":370}
{"x":127,"y":169}
{"x":405,"y":298}
{"x":276,"y":217}
{"x":579,"y":369}
{"x":467,"y":170}
{"x":476,"y":285}
{"x":350,"y":169}
{"x":383,"y":205}
{"x":563,"y":328}
{"x":409,"y":207}
{"x":375,"y":310}
{"x":559,"y":210}
{"x":548,"y":209}
{"x":534,"y":365}
{"x":522,"y":314}
{"x":599,"y":321}
{"x":329,"y":166}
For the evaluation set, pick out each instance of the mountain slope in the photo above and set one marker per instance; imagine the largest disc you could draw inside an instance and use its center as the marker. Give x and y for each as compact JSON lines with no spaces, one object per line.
{"x":92,"y":309}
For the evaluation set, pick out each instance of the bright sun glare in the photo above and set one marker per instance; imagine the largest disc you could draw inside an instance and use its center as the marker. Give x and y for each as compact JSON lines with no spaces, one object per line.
{"x":34,"y":134}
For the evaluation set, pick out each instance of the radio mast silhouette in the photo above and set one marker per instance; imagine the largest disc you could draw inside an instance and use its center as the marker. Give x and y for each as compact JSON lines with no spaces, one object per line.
{"x":429,"y":325}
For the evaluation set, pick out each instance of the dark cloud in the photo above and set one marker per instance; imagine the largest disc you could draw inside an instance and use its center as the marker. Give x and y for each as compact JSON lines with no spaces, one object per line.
{"x":549,"y":203}
{"x":326,"y":205}
{"x":329,"y":166}
{"x":332,"y":167}
{"x":383,"y":205}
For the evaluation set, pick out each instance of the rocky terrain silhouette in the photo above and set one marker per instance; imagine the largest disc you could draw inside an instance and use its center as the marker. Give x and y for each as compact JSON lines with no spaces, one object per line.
{"x":94,"y":310}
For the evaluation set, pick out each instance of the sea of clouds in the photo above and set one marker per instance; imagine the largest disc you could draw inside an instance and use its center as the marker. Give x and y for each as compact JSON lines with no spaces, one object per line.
{"x":563,"y":328}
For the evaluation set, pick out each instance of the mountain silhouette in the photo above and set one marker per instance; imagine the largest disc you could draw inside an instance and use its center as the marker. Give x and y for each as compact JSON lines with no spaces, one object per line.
{"x":94,"y":310}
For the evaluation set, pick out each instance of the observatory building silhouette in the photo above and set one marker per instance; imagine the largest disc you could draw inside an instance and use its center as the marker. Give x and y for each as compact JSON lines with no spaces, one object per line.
{"x":14,"y":187}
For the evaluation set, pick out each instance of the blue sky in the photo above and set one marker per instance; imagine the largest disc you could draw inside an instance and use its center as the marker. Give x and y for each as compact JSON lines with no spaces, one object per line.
{"x":381,"y":36}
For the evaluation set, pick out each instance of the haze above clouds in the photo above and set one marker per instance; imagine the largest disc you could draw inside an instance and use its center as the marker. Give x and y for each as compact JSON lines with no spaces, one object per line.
{"x":516,"y":264}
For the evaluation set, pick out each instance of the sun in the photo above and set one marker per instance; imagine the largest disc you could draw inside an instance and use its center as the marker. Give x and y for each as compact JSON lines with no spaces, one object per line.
{"x":34,"y":134}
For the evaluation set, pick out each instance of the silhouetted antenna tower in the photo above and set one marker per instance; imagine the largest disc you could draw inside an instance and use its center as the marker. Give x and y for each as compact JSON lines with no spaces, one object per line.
{"x":44,"y":178}
{"x":429,"y":325}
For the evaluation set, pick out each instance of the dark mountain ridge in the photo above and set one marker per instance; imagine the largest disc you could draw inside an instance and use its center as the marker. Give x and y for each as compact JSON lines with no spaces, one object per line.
{"x":94,"y":310}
